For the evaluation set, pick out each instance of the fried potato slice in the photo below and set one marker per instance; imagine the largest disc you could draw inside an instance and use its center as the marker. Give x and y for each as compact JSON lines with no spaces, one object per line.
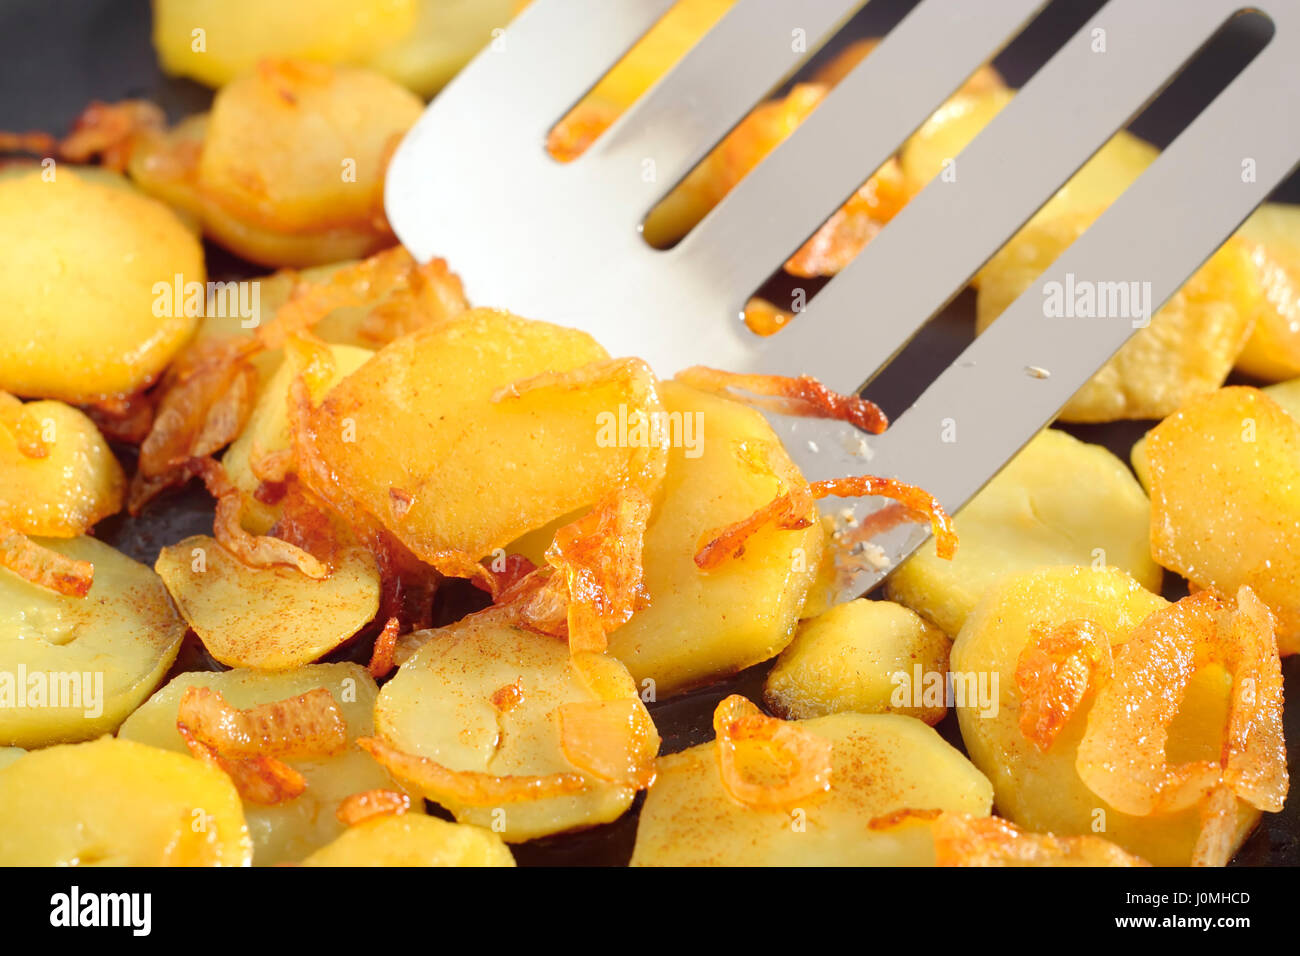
{"x":9,"y":755}
{"x":846,"y":659}
{"x":1273,"y":350}
{"x":81,"y":317}
{"x":290,"y":830}
{"x":413,"y":841}
{"x":1225,"y":500}
{"x":267,"y":431}
{"x":1058,"y":501}
{"x":71,"y":487}
{"x":512,"y":762}
{"x":91,"y":659}
{"x":880,"y":764}
{"x":701,"y":625}
{"x":215,"y":41}
{"x":118,"y":803}
{"x":946,"y":133}
{"x":416,"y":434}
{"x":1041,"y":790}
{"x":272,"y":618}
{"x":1188,"y":348}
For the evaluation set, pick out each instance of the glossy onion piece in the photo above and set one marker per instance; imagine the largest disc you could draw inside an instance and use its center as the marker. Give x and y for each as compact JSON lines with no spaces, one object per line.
{"x":797,"y":762}
{"x":1122,"y":755}
{"x":266,"y":781}
{"x":368,"y":804}
{"x":1054,"y":673}
{"x":804,"y":396}
{"x":614,"y":740}
{"x":961,"y":840}
{"x":381,"y":658}
{"x":43,"y":567}
{"x":308,"y":725}
{"x":469,"y":787}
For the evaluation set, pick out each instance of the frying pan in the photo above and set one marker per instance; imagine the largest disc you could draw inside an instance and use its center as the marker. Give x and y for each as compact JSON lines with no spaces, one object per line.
{"x":58,"y":55}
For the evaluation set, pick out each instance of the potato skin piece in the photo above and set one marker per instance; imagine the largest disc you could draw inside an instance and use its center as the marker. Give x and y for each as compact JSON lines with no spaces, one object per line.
{"x":80,"y":319}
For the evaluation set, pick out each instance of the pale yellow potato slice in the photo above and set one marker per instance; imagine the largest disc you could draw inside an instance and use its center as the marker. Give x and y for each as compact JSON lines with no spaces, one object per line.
{"x":1273,"y":350}
{"x":1225,"y":500}
{"x":10,"y":754}
{"x":291,"y":830}
{"x":1059,"y":501}
{"x":415,"y":438}
{"x":1042,"y":791}
{"x":413,"y":840}
{"x":118,"y":803}
{"x":1187,"y":349}
{"x":93,"y":658}
{"x":446,"y":35}
{"x":702,"y":625}
{"x":214,"y":41}
{"x":65,"y":493}
{"x":440,"y":705}
{"x":272,"y":618}
{"x":267,"y":431}
{"x":881,"y":764}
{"x":79,"y":261}
{"x":849,"y":658}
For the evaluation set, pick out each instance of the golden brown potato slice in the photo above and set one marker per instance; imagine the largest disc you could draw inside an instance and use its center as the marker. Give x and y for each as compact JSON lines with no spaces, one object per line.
{"x":487,"y":698}
{"x":881,"y":764}
{"x":415,"y":436}
{"x":1273,"y":350}
{"x":931,"y":148}
{"x":848,"y":659}
{"x":81,"y":269}
{"x":75,"y":484}
{"x":290,"y":830}
{"x":1188,"y":348}
{"x":1059,"y":501}
{"x":413,"y":840}
{"x":1041,"y":790}
{"x":702,"y":625}
{"x":1225,"y":500}
{"x":118,"y":803}
{"x":75,"y":667}
{"x":214,"y":41}
{"x":273,"y":618}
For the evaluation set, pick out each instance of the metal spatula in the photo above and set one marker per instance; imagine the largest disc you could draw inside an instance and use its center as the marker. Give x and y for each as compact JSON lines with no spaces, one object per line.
{"x":472,"y":182}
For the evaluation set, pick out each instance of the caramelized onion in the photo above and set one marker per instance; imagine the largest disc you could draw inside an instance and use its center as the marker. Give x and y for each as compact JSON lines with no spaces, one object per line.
{"x":360,"y":807}
{"x":746,"y":736}
{"x":381,"y":658}
{"x":469,"y":787}
{"x":43,"y":567}
{"x":790,"y":396}
{"x":961,"y":840}
{"x":267,"y":781}
{"x":613,"y":740}
{"x":1054,"y":673}
{"x":309,"y":725}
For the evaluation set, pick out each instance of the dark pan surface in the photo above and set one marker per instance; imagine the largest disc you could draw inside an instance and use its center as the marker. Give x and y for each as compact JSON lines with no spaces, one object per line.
{"x":58,"y":55}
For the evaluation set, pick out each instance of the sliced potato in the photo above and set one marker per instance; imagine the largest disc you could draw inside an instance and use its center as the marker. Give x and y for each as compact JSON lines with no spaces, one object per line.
{"x":1188,"y":348}
{"x":65,"y":493}
{"x":214,"y":41}
{"x":446,"y":35}
{"x":118,"y":803}
{"x":946,"y":133}
{"x":272,"y":618}
{"x":881,"y":764}
{"x":291,"y":830}
{"x":268,"y":431}
{"x":704,"y":625}
{"x":414,"y":436}
{"x":1225,"y":500}
{"x":441,"y":706}
{"x":79,"y":261}
{"x":1059,"y":501}
{"x":10,"y":754}
{"x":1041,"y":790}
{"x":1273,"y":350}
{"x":413,"y":840}
{"x":847,"y":658}
{"x":91,"y":659}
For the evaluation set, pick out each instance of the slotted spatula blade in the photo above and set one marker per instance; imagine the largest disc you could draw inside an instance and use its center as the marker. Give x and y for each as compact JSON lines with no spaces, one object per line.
{"x":473,"y":183}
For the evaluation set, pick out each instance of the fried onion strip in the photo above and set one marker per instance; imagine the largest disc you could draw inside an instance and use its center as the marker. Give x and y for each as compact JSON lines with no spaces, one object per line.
{"x":804,"y":396}
{"x":1054,"y":673}
{"x":308,"y":725}
{"x":797,"y":762}
{"x":961,"y":840}
{"x":381,"y":658}
{"x":267,"y":781}
{"x":469,"y":787}
{"x":359,"y":807}
{"x":613,"y":740}
{"x":43,"y":567}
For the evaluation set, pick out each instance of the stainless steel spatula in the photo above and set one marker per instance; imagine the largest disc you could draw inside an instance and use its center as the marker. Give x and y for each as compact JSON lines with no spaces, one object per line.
{"x":473,"y":183}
